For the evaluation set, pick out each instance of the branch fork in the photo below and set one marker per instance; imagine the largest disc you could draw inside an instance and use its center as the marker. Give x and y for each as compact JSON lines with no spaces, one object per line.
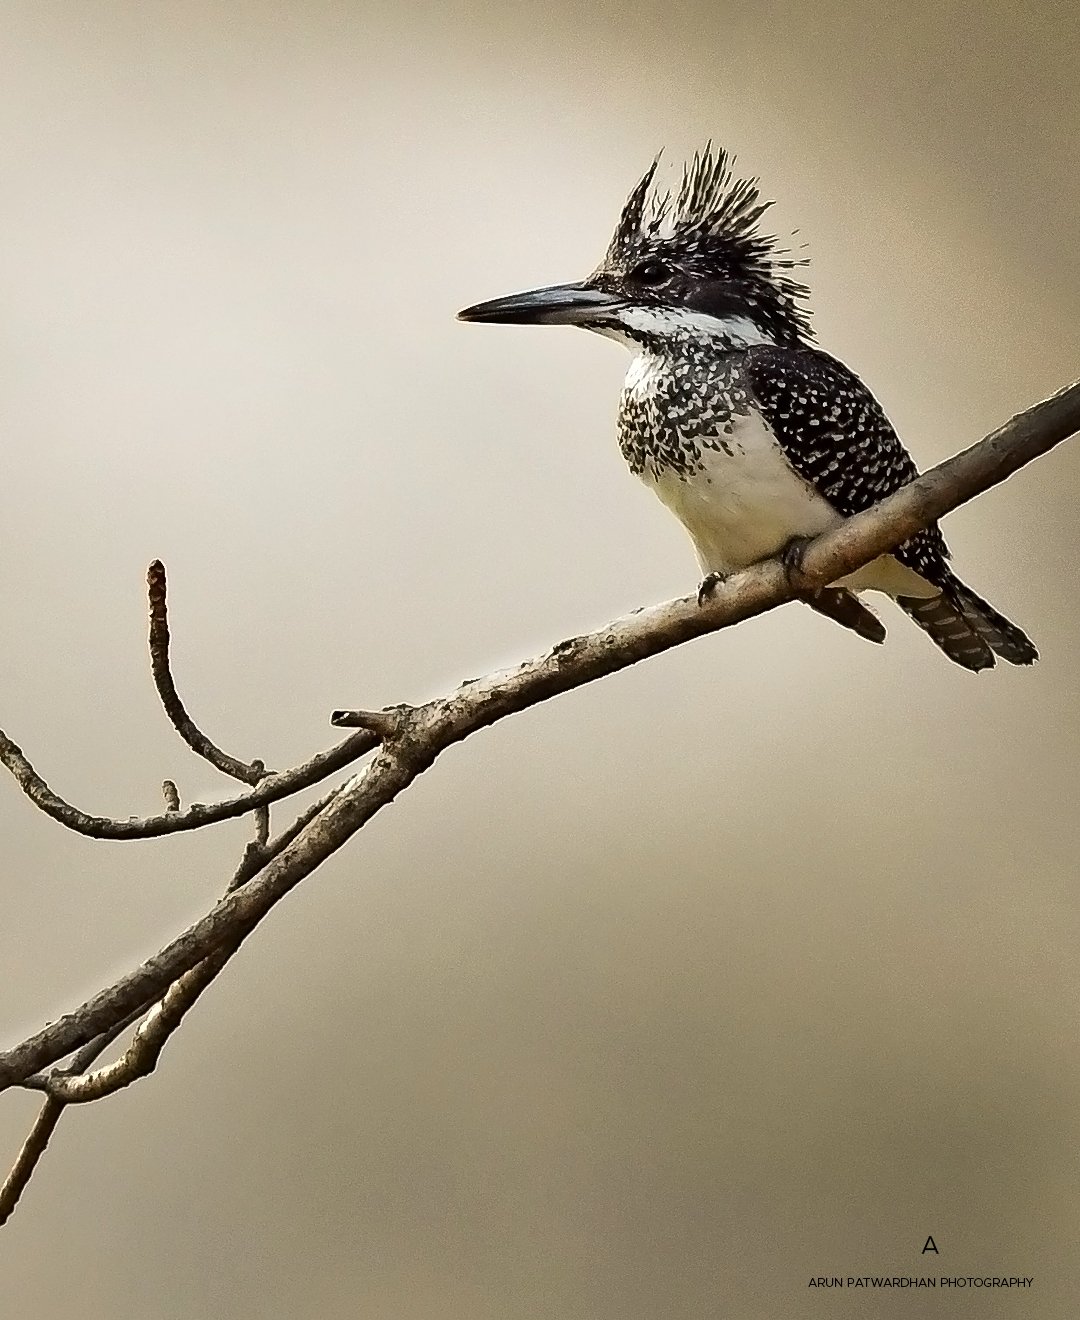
{"x":408,"y":739}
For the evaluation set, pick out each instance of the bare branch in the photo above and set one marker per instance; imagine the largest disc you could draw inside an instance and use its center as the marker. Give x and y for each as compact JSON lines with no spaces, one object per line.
{"x":40,"y":1134}
{"x":257,"y":855}
{"x":268,"y":786}
{"x":273,"y":788}
{"x":141,"y":1056}
{"x":229,"y":920}
{"x":72,"y":1085}
{"x":384,"y":724}
{"x":67,"y":1086}
{"x":26,"y":1162}
{"x":262,"y":824}
{"x":438,"y":724}
{"x":160,"y":665}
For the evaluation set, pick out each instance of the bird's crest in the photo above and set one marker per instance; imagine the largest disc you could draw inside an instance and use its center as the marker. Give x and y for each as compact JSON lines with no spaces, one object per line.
{"x":709,"y":227}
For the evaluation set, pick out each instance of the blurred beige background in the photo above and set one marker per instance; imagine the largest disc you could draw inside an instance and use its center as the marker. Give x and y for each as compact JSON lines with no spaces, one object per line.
{"x":755,"y":963}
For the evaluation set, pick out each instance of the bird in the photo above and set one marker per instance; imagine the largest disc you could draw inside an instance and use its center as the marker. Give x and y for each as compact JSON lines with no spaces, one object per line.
{"x":755,"y":438}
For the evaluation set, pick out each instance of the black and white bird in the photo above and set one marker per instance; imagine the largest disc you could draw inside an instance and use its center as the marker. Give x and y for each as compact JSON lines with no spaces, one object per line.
{"x":754,"y":438}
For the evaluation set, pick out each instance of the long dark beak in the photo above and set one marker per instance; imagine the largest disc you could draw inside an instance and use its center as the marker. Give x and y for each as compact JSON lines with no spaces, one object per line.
{"x":559,"y":304}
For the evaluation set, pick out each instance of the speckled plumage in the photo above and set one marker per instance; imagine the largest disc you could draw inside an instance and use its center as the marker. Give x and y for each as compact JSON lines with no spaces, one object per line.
{"x":694,"y":391}
{"x":837,"y":437}
{"x":676,"y":406}
{"x":736,"y":443}
{"x":709,"y":230}
{"x":751,"y":435}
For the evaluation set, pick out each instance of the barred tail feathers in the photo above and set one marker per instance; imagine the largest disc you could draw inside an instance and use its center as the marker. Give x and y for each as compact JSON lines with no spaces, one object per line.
{"x":946,"y":626}
{"x":1009,"y":641}
{"x":967,"y":629}
{"x":845,"y":608}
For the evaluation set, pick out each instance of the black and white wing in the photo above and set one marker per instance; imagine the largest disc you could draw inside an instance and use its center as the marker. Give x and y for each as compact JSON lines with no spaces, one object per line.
{"x":835,"y":434}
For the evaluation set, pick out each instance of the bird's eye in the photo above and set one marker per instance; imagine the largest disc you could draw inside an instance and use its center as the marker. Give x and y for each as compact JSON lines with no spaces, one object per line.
{"x":651,"y":272}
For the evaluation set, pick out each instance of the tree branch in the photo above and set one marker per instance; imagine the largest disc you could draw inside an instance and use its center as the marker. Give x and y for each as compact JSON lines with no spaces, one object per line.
{"x":414,"y":737}
{"x":160,"y":667}
{"x":73,"y":1085}
{"x":929,"y":497}
{"x":40,"y":1134}
{"x":26,"y":1161}
{"x":70,"y":1086}
{"x":272,"y":788}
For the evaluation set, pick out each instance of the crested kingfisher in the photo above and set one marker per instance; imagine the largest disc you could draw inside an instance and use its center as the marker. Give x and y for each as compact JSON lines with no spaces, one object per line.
{"x":752,"y":436}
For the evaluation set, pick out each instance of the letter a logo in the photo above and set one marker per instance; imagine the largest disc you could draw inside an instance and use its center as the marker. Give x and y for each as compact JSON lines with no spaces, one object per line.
{"x":931,"y":1245}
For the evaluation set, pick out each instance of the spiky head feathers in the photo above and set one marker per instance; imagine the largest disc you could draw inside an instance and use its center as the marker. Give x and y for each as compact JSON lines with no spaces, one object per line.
{"x":701,"y":247}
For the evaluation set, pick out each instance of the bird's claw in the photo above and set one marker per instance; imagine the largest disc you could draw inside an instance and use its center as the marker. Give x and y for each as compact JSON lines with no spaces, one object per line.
{"x":792,"y":558}
{"x":709,"y":583}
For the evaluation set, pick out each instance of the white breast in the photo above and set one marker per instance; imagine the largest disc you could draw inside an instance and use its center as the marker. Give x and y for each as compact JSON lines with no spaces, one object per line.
{"x":746,"y":503}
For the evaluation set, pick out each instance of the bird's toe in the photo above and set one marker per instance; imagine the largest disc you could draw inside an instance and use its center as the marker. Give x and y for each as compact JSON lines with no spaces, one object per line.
{"x":709,"y":583}
{"x":792,"y":558}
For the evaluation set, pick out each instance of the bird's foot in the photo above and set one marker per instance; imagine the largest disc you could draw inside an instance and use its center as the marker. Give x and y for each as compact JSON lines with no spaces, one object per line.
{"x":709,"y":583}
{"x":792,"y":558}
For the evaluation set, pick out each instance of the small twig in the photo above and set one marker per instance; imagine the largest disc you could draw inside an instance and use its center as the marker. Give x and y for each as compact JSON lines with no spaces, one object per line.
{"x":73,"y":1085}
{"x":384,"y":724}
{"x":230,"y":920}
{"x":141,"y":1060}
{"x":82,"y":1059}
{"x":40,"y":1134}
{"x":273,"y":788}
{"x":181,"y":721}
{"x":26,"y":1162}
{"x":141,"y":1056}
{"x":62,"y":1086}
{"x":68,"y":1085}
{"x":262,"y":824}
{"x":259,"y":854}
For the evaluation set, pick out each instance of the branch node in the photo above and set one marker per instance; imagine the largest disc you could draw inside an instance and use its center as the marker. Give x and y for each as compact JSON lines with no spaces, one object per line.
{"x":387,"y":725}
{"x":570,"y":646}
{"x":171,"y":794}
